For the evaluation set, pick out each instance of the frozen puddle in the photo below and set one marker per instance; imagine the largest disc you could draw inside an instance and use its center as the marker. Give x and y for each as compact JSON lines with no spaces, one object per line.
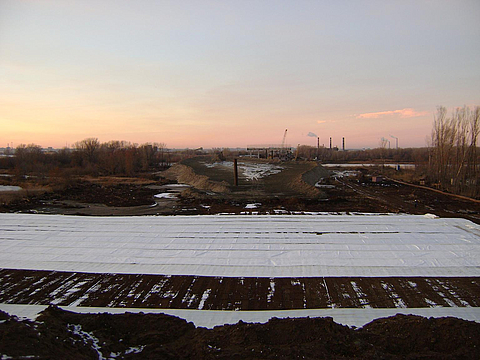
{"x":171,"y":191}
{"x":236,"y":246}
{"x":169,"y":196}
{"x":9,"y":188}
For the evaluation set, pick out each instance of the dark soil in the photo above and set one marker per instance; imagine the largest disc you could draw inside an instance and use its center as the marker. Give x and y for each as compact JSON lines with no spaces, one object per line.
{"x":164,"y":337}
{"x":390,"y":196}
{"x":81,"y":196}
{"x":110,"y":195}
{"x":59,"y":334}
{"x":280,"y":193}
{"x":226,"y":293}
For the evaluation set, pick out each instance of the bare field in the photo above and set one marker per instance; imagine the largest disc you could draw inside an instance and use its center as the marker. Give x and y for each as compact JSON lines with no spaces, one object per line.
{"x":289,"y":191}
{"x":226,"y":293}
{"x":373,"y":265}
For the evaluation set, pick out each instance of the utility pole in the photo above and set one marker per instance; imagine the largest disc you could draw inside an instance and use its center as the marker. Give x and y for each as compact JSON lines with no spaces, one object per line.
{"x":235,"y":173}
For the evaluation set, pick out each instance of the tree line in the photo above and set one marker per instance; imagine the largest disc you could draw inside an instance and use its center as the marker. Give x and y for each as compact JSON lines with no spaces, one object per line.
{"x":449,"y":162}
{"x":88,"y":157}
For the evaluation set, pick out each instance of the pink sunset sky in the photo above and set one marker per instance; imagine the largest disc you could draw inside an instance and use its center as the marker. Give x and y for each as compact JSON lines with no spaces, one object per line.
{"x":234,"y":73}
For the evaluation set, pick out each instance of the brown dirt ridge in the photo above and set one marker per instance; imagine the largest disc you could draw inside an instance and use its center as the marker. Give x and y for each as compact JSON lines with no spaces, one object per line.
{"x":59,"y":334}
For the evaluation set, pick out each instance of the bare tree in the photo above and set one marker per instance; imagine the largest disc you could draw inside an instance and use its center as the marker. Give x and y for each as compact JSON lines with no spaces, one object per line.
{"x":88,"y":148}
{"x":453,"y":157}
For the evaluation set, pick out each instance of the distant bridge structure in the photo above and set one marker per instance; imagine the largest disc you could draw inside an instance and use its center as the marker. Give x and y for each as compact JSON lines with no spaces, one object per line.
{"x":272,"y":151}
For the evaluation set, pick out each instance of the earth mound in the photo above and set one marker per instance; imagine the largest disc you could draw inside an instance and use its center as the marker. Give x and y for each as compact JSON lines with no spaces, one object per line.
{"x":59,"y":334}
{"x":186,"y":175}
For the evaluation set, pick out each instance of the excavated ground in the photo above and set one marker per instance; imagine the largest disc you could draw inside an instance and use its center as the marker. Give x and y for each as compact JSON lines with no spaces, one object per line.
{"x":63,"y":335}
{"x":226,"y":293}
{"x":59,"y":334}
{"x":277,"y":193}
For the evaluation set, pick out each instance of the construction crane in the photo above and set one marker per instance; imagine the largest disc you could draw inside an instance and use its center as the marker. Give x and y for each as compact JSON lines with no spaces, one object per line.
{"x":283,"y":154}
{"x":284,"y":138}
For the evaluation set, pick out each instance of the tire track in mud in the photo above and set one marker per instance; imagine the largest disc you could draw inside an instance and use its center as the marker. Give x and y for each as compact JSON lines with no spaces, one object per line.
{"x":228,"y":293}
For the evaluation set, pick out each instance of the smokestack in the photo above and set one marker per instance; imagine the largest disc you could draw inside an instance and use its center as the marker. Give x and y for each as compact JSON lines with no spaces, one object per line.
{"x":343,"y":144}
{"x":330,"y":143}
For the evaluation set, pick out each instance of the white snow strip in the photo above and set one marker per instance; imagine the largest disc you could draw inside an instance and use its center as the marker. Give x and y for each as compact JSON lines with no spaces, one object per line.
{"x":212,"y":318}
{"x":132,"y":350}
{"x":205,"y":296}
{"x":271,"y":292}
{"x":402,"y":166}
{"x":241,"y":246}
{"x":9,"y":188}
{"x":362,"y":297}
{"x":88,"y":338}
{"x":169,"y":196}
{"x":399,"y":303}
{"x":176,"y":186}
{"x":342,"y":174}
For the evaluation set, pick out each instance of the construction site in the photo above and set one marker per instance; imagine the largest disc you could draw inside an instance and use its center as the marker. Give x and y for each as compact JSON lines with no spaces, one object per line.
{"x":254,"y":239}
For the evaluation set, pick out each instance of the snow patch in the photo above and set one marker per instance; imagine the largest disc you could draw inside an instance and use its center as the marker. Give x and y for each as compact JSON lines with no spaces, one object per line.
{"x":397,"y":300}
{"x":169,"y":196}
{"x":361,"y":296}
{"x":88,"y":338}
{"x":250,"y":171}
{"x":342,"y":174}
{"x":205,"y":296}
{"x":431,"y":303}
{"x":9,"y":188}
{"x":271,"y":291}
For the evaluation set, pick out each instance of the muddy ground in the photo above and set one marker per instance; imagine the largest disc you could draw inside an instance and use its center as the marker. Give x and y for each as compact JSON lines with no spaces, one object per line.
{"x":59,"y":334}
{"x":161,"y":337}
{"x":227,"y":293}
{"x":284,"y":193}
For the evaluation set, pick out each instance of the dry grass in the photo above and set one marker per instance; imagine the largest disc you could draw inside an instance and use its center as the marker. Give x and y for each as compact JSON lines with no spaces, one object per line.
{"x":8,"y":197}
{"x":28,"y":190}
{"x":186,"y":175}
{"x":117,"y":180}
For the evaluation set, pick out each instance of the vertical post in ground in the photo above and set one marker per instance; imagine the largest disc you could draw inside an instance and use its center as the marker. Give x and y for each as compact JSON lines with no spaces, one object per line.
{"x":235,"y":173}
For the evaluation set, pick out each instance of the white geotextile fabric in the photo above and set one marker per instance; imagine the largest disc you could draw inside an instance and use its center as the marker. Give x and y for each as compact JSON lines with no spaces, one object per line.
{"x":245,"y":245}
{"x":212,"y":318}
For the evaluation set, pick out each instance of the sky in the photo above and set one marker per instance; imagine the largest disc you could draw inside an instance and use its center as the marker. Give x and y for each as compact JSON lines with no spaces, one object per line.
{"x":234,"y":73}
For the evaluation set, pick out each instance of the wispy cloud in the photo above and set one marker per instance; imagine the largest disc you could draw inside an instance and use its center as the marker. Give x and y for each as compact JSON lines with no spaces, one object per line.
{"x":325,"y":121}
{"x":403,"y":113}
{"x":311,"y":134}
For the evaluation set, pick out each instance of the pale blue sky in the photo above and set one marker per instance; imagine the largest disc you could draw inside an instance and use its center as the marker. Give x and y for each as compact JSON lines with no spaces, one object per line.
{"x":234,"y":73}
